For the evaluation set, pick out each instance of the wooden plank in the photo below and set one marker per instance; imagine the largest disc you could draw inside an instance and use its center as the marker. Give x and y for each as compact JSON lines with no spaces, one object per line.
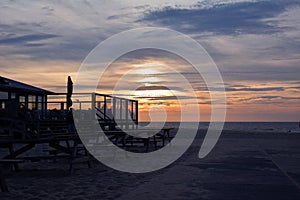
{"x":20,"y":151}
{"x":60,"y":148}
{"x":11,"y":161}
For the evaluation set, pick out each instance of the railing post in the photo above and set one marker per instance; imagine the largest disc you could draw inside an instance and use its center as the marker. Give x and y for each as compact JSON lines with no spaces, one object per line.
{"x":61,"y":105}
{"x":136,"y":112}
{"x":132,"y":111}
{"x":114,"y":107}
{"x":93,"y":114}
{"x":104,"y":106}
{"x":121,"y":117}
{"x":126,"y":114}
{"x":45,"y":106}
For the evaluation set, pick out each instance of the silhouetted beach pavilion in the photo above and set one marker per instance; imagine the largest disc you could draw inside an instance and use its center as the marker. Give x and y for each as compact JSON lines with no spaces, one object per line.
{"x":15,"y":95}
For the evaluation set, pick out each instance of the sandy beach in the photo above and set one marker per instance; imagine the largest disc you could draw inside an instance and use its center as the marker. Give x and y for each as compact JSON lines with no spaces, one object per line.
{"x":241,"y":166}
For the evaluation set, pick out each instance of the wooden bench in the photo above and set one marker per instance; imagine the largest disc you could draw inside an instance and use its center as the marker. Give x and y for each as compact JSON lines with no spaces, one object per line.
{"x":165,"y":135}
{"x":143,"y":136}
{"x":59,"y":129}
{"x":55,"y":134}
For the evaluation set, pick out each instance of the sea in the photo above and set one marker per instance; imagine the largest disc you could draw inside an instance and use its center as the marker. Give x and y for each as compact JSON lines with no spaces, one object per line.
{"x":272,"y":127}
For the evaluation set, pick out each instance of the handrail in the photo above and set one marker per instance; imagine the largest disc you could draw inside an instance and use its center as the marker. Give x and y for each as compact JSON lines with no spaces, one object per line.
{"x":97,"y":94}
{"x":108,"y":118}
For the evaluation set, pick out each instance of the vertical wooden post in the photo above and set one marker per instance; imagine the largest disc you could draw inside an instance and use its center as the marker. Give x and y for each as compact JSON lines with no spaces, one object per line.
{"x":126,"y":114}
{"x":26,"y":101}
{"x":121,"y":117}
{"x":104,"y":106}
{"x":136,"y":112}
{"x":36,"y":102}
{"x":93,"y":113}
{"x":62,"y":105}
{"x":45,"y":106}
{"x":114,"y":107}
{"x":93,"y":97}
{"x":132,"y":111}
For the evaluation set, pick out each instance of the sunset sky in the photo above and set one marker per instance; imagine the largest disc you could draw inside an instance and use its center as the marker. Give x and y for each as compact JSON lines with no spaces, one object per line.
{"x":255,"y":44}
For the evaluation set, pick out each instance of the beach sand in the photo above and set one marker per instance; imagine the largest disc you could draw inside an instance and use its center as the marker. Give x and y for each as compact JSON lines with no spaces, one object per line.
{"x":241,"y":166}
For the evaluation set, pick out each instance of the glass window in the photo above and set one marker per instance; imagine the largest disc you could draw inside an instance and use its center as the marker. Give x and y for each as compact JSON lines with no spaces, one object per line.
{"x":31,"y":102}
{"x":40,"y":103}
{"x":22,"y":101}
{"x":40,"y":99}
{"x":12,"y":95}
{"x":3,"y":95}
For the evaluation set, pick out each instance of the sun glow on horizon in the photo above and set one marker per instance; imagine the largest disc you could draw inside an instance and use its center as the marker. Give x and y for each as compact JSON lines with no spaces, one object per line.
{"x":153,"y":93}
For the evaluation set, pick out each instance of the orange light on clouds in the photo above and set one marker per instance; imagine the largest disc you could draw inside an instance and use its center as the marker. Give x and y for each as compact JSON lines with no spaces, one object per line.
{"x":248,"y":100}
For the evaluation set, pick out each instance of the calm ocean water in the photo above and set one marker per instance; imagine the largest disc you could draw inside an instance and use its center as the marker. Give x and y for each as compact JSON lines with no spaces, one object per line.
{"x":283,"y":127}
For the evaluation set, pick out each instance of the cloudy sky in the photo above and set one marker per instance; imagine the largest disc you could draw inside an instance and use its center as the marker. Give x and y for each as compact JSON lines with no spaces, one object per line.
{"x":254,"y":43}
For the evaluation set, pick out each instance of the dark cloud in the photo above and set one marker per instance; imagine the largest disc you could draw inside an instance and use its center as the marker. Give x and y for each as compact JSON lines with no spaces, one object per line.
{"x":69,"y":49}
{"x":290,"y":98}
{"x":143,"y":7}
{"x":262,"y":73}
{"x":296,"y":88}
{"x":26,"y":38}
{"x":48,"y":8}
{"x":157,"y":87}
{"x":270,"y":97}
{"x":245,"y":17}
{"x":34,"y":45}
{"x":4,"y":26}
{"x":146,"y":53}
{"x":242,"y":89}
{"x":165,"y":98}
{"x":249,"y":89}
{"x":116,"y":17}
{"x":157,"y":98}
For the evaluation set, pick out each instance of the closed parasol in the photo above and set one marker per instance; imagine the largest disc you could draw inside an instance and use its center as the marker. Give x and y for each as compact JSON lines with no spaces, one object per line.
{"x":69,"y":92}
